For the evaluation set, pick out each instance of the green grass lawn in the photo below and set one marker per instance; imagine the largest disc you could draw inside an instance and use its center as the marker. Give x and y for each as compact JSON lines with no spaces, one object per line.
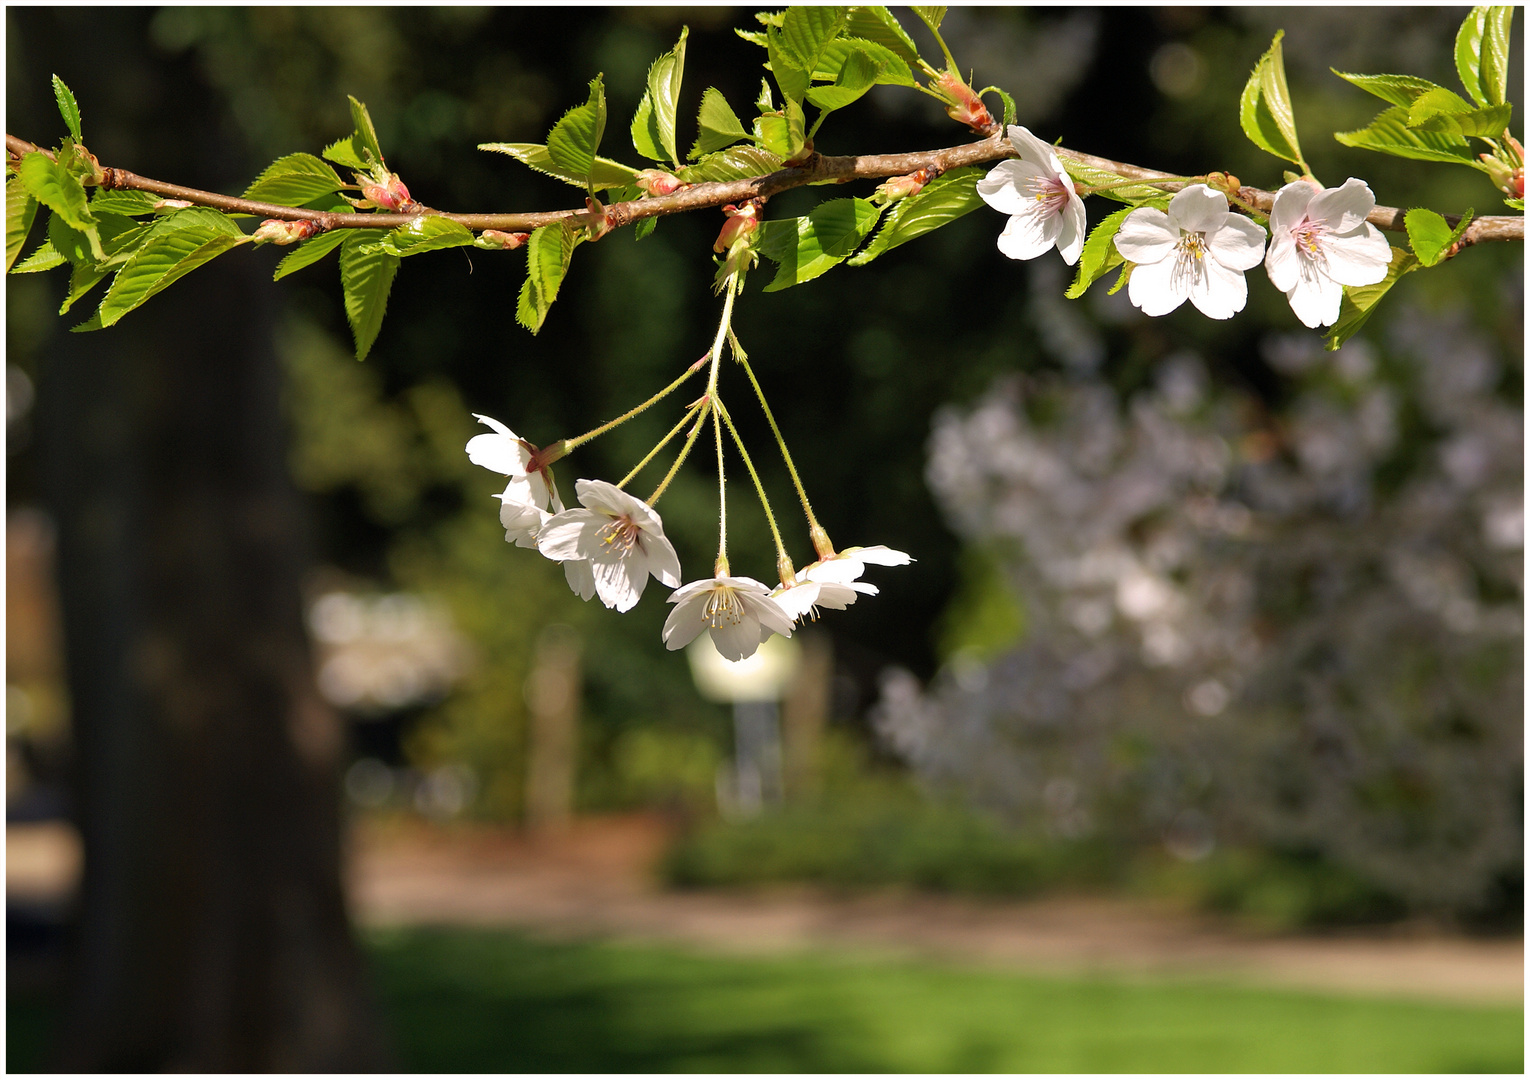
{"x":487,"y":1001}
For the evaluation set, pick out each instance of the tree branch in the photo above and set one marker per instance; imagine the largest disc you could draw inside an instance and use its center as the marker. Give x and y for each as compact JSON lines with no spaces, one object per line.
{"x":816,"y":169}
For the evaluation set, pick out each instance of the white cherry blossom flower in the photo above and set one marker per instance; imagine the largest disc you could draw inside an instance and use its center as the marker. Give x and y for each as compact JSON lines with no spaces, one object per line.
{"x":1038,"y":194}
{"x":1320,"y":242}
{"x":738,"y":611}
{"x":524,"y":502}
{"x":622,"y":539}
{"x":1197,"y":251}
{"x":847,"y":566}
{"x":803,"y":599}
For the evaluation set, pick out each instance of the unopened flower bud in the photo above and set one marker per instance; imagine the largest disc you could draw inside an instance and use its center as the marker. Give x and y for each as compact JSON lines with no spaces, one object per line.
{"x":172,"y":204}
{"x":1226,"y":183}
{"x":962,"y":103}
{"x":1502,"y":175}
{"x":657,"y":182}
{"x":740,"y":225}
{"x":273,"y":231}
{"x":388,"y":194}
{"x":600,"y":224}
{"x":1516,"y":150}
{"x":507,"y":240}
{"x":901,"y":187}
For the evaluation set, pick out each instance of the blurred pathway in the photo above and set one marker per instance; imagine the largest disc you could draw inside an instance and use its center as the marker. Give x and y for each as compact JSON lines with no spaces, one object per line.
{"x":595,"y":880}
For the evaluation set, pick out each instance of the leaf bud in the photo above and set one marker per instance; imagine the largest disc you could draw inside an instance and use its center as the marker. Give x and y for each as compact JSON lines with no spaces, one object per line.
{"x":741,"y":224}
{"x":509,"y":241}
{"x":388,"y":193}
{"x":962,"y":103}
{"x":1503,"y":175}
{"x":173,"y":204}
{"x":657,"y":182}
{"x":599,"y":223}
{"x":274,"y":231}
{"x":1226,"y":183}
{"x":901,"y":187}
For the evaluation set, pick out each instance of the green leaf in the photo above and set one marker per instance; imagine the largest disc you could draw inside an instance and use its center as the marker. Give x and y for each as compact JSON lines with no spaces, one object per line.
{"x":943,"y":200}
{"x":45,"y":257}
{"x":56,"y":188}
{"x":343,"y":152}
{"x":313,"y":250}
{"x":1515,"y":204}
{"x":856,"y":75}
{"x":574,"y":139}
{"x":1494,"y":65}
{"x":428,"y":233}
{"x":765,"y":103}
{"x":199,"y":217}
{"x":664,"y":97}
{"x":76,"y":246}
{"x":718,"y":124}
{"x":891,"y":68}
{"x":877,"y":24}
{"x":1121,"y":279}
{"x":81,"y":280}
{"x":20,"y":210}
{"x":806,"y":32}
{"x":125,"y":202}
{"x":932,"y":16}
{"x":806,"y":247}
{"x":1394,"y":89}
{"x":163,"y":260}
{"x":1265,"y":108}
{"x":1431,"y":235}
{"x":67,"y":107}
{"x":366,"y":275}
{"x":1389,"y":134}
{"x":548,"y":254}
{"x":1469,"y":54}
{"x":1099,"y":255}
{"x":604,"y":174}
{"x":736,"y":163}
{"x":784,"y":136}
{"x":1488,"y":123}
{"x":643,"y":229}
{"x":1133,"y":194}
{"x":791,"y":76}
{"x":294,"y":180}
{"x":645,"y":130}
{"x":1434,"y":103}
{"x":1009,"y":107}
{"x":365,"y":138}
{"x":1360,"y":300}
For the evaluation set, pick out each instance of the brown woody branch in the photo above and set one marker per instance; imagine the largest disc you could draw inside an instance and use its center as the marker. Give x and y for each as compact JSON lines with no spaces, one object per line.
{"x":816,"y":169}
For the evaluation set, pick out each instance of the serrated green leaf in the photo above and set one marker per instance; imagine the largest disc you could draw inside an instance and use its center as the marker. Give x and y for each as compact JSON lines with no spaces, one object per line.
{"x":196,"y":217}
{"x":718,"y":125}
{"x":366,"y":276}
{"x":76,"y":246}
{"x":82,"y":279}
{"x":343,"y":152}
{"x":754,"y":37}
{"x":931,"y":16}
{"x":791,"y":76}
{"x":765,"y":103}
{"x":163,"y":260}
{"x":878,"y":24}
{"x":56,"y":188}
{"x":1394,"y":89}
{"x":644,"y":229}
{"x":124,"y":202}
{"x":806,"y":31}
{"x":294,"y":180}
{"x":891,"y":68}
{"x":943,"y":200}
{"x":857,"y":75}
{"x":604,"y":174}
{"x":1488,"y":123}
{"x":1121,"y":279}
{"x":1361,"y":300}
{"x":366,"y":134}
{"x":428,"y":233}
{"x":1389,"y":134}
{"x":574,"y":139}
{"x":1132,"y":194}
{"x":735,"y":163}
{"x":1515,"y":204}
{"x":806,"y":247}
{"x":1434,"y":103}
{"x":664,"y":79}
{"x":1469,"y":54}
{"x":1099,"y":255}
{"x":785,"y":135}
{"x":313,"y":250}
{"x":645,"y":130}
{"x":1431,"y":235}
{"x":1265,"y":107}
{"x":1009,"y":107}
{"x":548,"y":254}
{"x":67,"y":107}
{"x":1494,"y":66}
{"x":20,"y":210}
{"x":45,"y":257}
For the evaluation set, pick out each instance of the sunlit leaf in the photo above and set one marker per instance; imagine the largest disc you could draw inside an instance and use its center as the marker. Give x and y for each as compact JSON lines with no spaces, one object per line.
{"x":1360,"y":301}
{"x":313,"y":250}
{"x":366,"y":276}
{"x":783,"y":135}
{"x":856,"y":75}
{"x":1488,"y":123}
{"x":1431,"y":235}
{"x":56,"y":188}
{"x":366,"y":135}
{"x":663,"y":100}
{"x":1389,"y":133}
{"x":294,"y":180}
{"x":806,"y":247}
{"x":877,"y":24}
{"x":807,"y":31}
{"x":67,"y":107}
{"x":718,"y":124}
{"x":163,"y":260}
{"x":548,"y":254}
{"x":126,"y":202}
{"x":931,"y":16}
{"x":1393,"y":89}
{"x":343,"y":152}
{"x":574,"y":139}
{"x":604,"y":174}
{"x":943,"y":200}
{"x":45,"y":257}
{"x":735,"y":163}
{"x":891,"y":68}
{"x":1265,"y":108}
{"x":1088,"y":175}
{"x":428,"y":233}
{"x":20,"y":210}
{"x":1099,"y":256}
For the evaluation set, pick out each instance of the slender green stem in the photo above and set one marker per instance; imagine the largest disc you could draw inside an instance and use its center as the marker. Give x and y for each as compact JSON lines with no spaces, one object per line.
{"x":721,"y":567}
{"x":694,"y":409}
{"x":1090,"y":189}
{"x":690,"y":441}
{"x":570,"y":444}
{"x":783,"y":558}
{"x":807,"y":507}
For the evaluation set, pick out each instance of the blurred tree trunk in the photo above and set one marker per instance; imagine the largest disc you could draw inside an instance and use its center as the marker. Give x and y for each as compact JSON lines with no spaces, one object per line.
{"x":212,"y":931}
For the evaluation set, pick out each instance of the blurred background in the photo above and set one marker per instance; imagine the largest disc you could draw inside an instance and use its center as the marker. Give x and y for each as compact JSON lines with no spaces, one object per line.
{"x":1213,"y":641}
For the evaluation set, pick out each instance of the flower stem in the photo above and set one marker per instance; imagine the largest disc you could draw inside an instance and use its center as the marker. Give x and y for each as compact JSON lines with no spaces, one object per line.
{"x":784,"y":566}
{"x":570,"y":444}
{"x":690,"y":440}
{"x":807,"y":507}
{"x":694,"y":409}
{"x":720,"y":569}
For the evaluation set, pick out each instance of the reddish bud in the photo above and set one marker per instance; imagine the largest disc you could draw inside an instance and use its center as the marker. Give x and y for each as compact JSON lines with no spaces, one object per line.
{"x":507,"y":240}
{"x":901,"y":187}
{"x":657,"y":182}
{"x":598,"y":225}
{"x":962,"y":103}
{"x":273,"y":231}
{"x":740,"y":225}
{"x":388,"y":194}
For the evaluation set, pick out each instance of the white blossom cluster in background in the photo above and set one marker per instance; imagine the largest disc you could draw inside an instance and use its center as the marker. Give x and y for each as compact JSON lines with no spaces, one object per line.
{"x":1301,"y":633}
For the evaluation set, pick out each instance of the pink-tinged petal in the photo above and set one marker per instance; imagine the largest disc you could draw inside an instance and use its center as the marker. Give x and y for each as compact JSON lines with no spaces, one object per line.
{"x":1155,"y":288}
{"x":688,"y":620}
{"x":737,"y":640}
{"x":1006,"y":188}
{"x":1030,"y":233}
{"x":1220,"y":292}
{"x":498,"y":453}
{"x":561,"y":537}
{"x":1070,"y":239}
{"x":1290,"y":206}
{"x":663,"y":563}
{"x":1283,"y":263}
{"x":580,"y":577}
{"x":1238,"y":244}
{"x":1361,"y":258}
{"x":619,"y":583}
{"x":1343,"y":208}
{"x":1315,"y":298}
{"x":1198,"y":209}
{"x":1146,"y":236}
{"x":1033,"y":150}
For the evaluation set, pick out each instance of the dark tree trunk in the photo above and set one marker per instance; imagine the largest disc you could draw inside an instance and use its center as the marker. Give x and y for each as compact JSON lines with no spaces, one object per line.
{"x":212,"y":930}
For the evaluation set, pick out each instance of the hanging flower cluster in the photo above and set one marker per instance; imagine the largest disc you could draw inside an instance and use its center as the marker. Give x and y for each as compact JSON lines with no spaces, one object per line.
{"x":614,"y":542}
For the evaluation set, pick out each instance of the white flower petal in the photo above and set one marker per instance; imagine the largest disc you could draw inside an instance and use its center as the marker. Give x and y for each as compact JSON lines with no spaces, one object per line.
{"x":1032,"y":149}
{"x":1146,"y":236}
{"x":663,"y":563}
{"x":580,"y":577}
{"x":619,"y":582}
{"x":1361,"y":258}
{"x":1198,"y":209}
{"x":498,"y":453}
{"x":1220,"y":292}
{"x":881,"y":555}
{"x":1284,"y":262}
{"x":737,"y":640}
{"x":1030,"y":233}
{"x":1238,"y":244}
{"x":1343,"y":208}
{"x":798,"y":600}
{"x":561,"y":537}
{"x":1315,"y":298}
{"x":688,"y":620}
{"x":1005,"y":186}
{"x":1155,"y":288}
{"x":1290,"y":206}
{"x":1070,"y":240}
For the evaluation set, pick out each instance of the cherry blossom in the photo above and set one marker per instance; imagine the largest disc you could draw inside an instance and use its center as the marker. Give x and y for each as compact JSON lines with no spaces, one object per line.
{"x":1037,"y":192}
{"x":738,"y":611}
{"x":525,"y":500}
{"x":847,"y":566}
{"x":1320,"y":242}
{"x":622,"y":539}
{"x":1197,"y":251}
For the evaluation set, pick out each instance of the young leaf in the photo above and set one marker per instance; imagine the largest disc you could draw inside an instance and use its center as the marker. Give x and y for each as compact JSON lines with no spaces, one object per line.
{"x":943,"y":200}
{"x":343,"y":152}
{"x":1431,"y":235}
{"x":67,"y":107}
{"x":1099,"y":255}
{"x":294,"y":180}
{"x":163,"y":260}
{"x":1487,"y":123}
{"x":664,"y":89}
{"x":856,"y":75}
{"x":1359,"y":301}
{"x":1389,"y":134}
{"x":428,"y":233}
{"x":366,"y":275}
{"x":1134,"y":194}
{"x":877,"y":24}
{"x":932,"y":16}
{"x":791,"y":75}
{"x":1515,"y":204}
{"x":125,"y":202}
{"x":20,"y":209}
{"x":718,"y":124}
{"x":1436,"y":102}
{"x":806,"y":247}
{"x":1494,"y":67}
{"x":736,"y":163}
{"x":765,"y":103}
{"x":604,"y":174}
{"x":45,"y":257}
{"x":643,"y":229}
{"x":548,"y":253}
{"x":574,"y":139}
{"x":806,"y":32}
{"x":82,"y":279}
{"x":783,"y":135}
{"x":1009,"y":107}
{"x":366,"y":135}
{"x":1393,"y":89}
{"x":1469,"y":54}
{"x":313,"y":250}
{"x":1265,"y":108}
{"x":52,"y":185}
{"x":892,"y":70}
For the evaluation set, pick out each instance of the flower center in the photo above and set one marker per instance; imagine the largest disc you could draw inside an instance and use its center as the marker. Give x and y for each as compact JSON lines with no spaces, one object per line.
{"x":1049,"y":192}
{"x":723,"y":607}
{"x":1190,"y":259}
{"x":1309,"y":238}
{"x":621,"y":535}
